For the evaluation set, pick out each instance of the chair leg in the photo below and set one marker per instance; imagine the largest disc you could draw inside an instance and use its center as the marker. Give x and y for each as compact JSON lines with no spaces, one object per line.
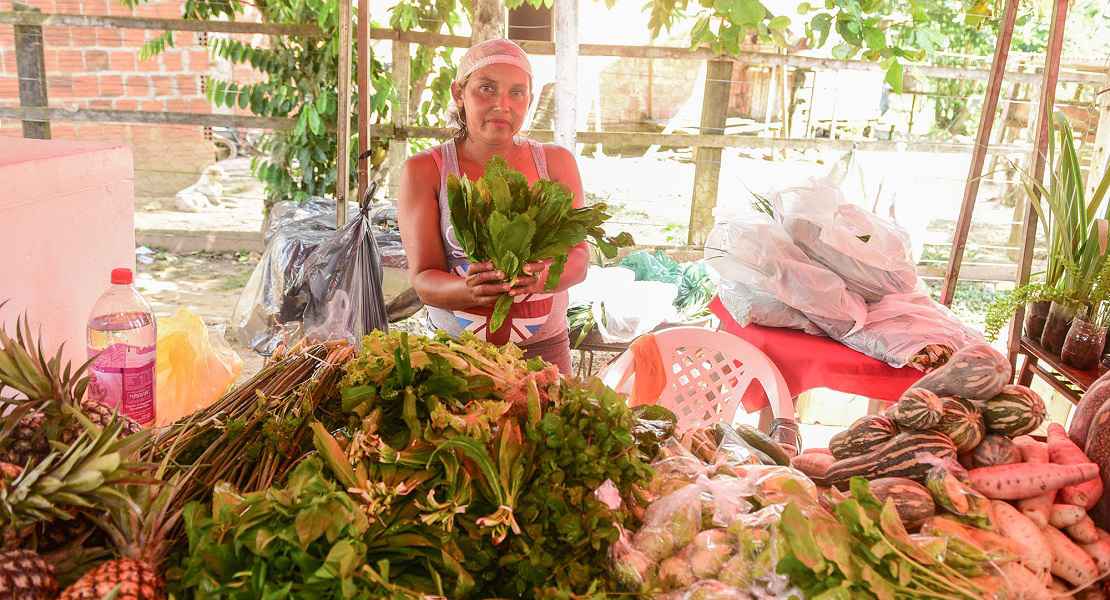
{"x":766,"y":415}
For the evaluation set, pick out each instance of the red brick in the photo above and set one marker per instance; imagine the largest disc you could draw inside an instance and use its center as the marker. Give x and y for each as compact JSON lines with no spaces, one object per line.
{"x":150,"y":65}
{"x":171,"y":61}
{"x":134,"y":37}
{"x":163,"y":85}
{"x":71,"y":61}
{"x":198,"y":60}
{"x":111,"y":85}
{"x":109,"y":38}
{"x":125,"y":104}
{"x":60,"y":85}
{"x":154,"y":105}
{"x":96,"y":60}
{"x":85,"y":86}
{"x":67,"y":6}
{"x":137,"y":86}
{"x":56,"y":36}
{"x":188,"y":85}
{"x":178,"y":105}
{"x":9,"y":87}
{"x":122,"y":60}
{"x":96,"y":7}
{"x":100,"y":104}
{"x":7,"y":37}
{"x":83,"y":37}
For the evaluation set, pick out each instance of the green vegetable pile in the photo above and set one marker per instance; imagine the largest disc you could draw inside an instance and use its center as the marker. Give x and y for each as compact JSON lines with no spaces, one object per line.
{"x":499,"y":219}
{"x":487,"y":463}
{"x":860,"y":549}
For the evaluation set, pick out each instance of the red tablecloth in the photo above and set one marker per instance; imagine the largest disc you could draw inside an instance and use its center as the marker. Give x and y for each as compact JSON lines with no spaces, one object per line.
{"x":808,"y":362}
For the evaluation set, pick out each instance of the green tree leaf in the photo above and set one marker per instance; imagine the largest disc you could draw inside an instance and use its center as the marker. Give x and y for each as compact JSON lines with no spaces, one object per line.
{"x":779,"y":23}
{"x":894,"y":75}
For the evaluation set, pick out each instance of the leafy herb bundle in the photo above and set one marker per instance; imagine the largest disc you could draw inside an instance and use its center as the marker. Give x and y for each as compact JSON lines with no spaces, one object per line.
{"x":487,"y":460}
{"x":498,"y":218}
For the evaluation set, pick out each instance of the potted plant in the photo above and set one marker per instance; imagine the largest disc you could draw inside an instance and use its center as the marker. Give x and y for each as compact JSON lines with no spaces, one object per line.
{"x":1086,"y":339}
{"x":1077,"y":238}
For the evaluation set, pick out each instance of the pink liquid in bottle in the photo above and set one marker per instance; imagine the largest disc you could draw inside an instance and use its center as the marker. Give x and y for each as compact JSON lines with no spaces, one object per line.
{"x":122,"y":336}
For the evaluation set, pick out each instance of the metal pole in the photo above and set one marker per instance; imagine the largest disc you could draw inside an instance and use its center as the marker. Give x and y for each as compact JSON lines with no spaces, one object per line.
{"x":979,"y":154}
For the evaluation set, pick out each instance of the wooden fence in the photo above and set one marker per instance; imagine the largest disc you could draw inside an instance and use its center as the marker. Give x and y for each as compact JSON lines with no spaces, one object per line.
{"x":36,"y":115}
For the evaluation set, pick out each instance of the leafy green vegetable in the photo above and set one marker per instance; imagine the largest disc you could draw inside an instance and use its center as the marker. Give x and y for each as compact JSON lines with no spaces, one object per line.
{"x":499,"y":219}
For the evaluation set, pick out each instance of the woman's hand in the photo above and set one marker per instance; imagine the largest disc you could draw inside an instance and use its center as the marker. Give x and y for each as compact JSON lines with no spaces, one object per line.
{"x":533,"y":280}
{"x":485,"y":284}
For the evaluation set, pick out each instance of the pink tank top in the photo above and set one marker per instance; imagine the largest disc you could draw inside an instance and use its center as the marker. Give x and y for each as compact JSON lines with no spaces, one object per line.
{"x":533,"y":318}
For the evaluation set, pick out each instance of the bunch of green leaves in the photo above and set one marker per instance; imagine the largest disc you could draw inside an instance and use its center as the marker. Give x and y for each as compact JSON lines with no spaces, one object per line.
{"x":498,"y":218}
{"x":1075,"y":224}
{"x":1003,"y":308}
{"x":305,"y":540}
{"x":860,"y":549}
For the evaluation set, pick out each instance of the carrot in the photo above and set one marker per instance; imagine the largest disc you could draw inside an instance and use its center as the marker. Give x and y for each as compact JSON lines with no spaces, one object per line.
{"x":1066,"y":515}
{"x":1083,"y":532}
{"x":1014,"y":482}
{"x":1063,"y":451}
{"x":1069,"y":562}
{"x":996,"y":546}
{"x":1037,"y":508}
{"x":1035,"y":552}
{"x":1023,"y":584}
{"x":1100,"y":552}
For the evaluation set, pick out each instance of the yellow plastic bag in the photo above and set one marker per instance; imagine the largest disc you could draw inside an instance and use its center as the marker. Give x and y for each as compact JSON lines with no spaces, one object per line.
{"x":194,"y":368}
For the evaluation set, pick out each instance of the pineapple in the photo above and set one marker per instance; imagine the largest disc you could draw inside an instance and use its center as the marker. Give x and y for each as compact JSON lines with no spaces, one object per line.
{"x":24,"y":575}
{"x":27,"y":443}
{"x":140,"y":532}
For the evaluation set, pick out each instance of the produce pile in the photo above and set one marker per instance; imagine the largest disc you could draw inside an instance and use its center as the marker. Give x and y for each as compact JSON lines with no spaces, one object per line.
{"x":955,"y":459}
{"x":498,"y":218}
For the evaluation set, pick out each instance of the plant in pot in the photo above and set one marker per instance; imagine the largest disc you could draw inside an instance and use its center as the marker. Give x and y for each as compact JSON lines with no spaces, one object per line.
{"x":1086,"y":339}
{"x":1076,"y":236}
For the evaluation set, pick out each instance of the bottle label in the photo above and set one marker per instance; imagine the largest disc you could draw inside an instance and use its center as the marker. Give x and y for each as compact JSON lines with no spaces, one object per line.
{"x":122,"y":377}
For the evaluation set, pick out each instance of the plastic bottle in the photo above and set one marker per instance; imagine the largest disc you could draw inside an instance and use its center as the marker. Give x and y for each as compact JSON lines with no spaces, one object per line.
{"x":122,"y":336}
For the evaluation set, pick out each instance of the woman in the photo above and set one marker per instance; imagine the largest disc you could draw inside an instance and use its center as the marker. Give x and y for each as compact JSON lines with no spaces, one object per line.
{"x":492,"y":94}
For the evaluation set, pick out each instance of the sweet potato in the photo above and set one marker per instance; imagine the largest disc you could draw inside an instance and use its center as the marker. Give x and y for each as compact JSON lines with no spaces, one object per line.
{"x":1062,"y":451}
{"x":814,"y":465}
{"x":1022,"y":584}
{"x":1100,"y":552}
{"x":1066,"y":515}
{"x":1035,"y":552}
{"x":1084,"y":531}
{"x":1069,"y":561}
{"x":1037,"y":508}
{"x":1015,"y":482}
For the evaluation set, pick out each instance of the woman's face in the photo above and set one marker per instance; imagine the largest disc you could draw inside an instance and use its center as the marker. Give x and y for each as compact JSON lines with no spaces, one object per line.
{"x":495,"y":99}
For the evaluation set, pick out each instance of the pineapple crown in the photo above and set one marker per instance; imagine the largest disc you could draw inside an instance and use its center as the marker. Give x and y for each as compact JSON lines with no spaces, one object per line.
{"x":141,"y":528}
{"x":44,"y":383}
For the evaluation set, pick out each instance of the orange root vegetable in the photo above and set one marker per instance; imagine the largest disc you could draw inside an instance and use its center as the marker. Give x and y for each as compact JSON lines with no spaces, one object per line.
{"x":1015,"y":482}
{"x":1022,"y":583}
{"x":1069,"y":561}
{"x":1062,"y":451}
{"x":1022,"y":530}
{"x":817,"y":451}
{"x":1037,"y":508}
{"x":813,"y":465}
{"x":1066,"y":515}
{"x":1084,"y":531}
{"x":987,"y":541}
{"x":1100,"y":552}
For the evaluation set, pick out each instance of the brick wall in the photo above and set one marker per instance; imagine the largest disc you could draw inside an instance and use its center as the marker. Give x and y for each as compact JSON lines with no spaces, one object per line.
{"x":99,"y":68}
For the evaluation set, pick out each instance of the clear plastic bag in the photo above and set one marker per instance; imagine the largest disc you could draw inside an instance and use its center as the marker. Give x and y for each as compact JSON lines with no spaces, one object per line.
{"x":900,"y":326}
{"x":872,"y":255}
{"x":636,"y":309}
{"x":749,"y":305}
{"x":759,"y":254}
{"x":194,"y":366}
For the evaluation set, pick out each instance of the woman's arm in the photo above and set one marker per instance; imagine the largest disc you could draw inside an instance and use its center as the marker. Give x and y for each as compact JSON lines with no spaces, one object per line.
{"x":562,"y":167}
{"x":418,"y":219}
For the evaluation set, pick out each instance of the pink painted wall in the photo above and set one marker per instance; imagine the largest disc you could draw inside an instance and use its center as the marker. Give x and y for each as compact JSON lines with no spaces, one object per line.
{"x":66,"y":219}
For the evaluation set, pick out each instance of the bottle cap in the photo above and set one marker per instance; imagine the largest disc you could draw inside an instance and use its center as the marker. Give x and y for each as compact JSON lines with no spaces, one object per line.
{"x":122,"y":276}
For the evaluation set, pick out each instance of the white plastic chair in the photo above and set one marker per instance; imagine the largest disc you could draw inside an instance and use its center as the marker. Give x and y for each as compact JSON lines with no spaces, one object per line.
{"x":707,"y":374}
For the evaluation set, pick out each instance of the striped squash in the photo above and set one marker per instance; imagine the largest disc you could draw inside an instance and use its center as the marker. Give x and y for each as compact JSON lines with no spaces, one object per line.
{"x":901,"y":456}
{"x":862,"y":437}
{"x":962,"y":423}
{"x":913,"y":502}
{"x":1016,"y":410}
{"x":917,"y":409}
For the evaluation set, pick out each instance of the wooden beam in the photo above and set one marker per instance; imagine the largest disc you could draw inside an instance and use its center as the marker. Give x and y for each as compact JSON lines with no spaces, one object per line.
{"x":31,"y":68}
{"x":69,"y":20}
{"x":748,"y":57}
{"x":1101,"y":154}
{"x":686,"y":140}
{"x":707,"y":160}
{"x":398,"y":148}
{"x":86,"y":115}
{"x":979,"y":154}
{"x":1039,"y":159}
{"x":566,"y":72}
{"x":487,"y":21}
{"x":363,"y":108}
{"x":343,"y":127}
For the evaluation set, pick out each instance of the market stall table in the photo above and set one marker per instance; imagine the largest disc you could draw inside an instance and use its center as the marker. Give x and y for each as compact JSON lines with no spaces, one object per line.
{"x":808,"y":362}
{"x":1068,"y":381}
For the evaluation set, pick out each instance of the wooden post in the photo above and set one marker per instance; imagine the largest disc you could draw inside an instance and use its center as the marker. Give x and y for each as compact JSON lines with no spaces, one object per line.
{"x":30,"y":63}
{"x":488,"y":20}
{"x":1102,"y":138}
{"x":707,"y":161}
{"x":364,"y":93}
{"x":1040,"y":157}
{"x":398,"y":148}
{"x":979,"y":154}
{"x":343,"y":128}
{"x":566,"y":72}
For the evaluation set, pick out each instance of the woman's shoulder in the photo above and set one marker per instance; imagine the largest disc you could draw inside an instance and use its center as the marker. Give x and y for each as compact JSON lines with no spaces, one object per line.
{"x":557,"y":156}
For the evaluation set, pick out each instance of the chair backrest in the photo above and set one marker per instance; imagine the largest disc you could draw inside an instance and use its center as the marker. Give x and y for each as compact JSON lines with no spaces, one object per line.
{"x":708,"y":373}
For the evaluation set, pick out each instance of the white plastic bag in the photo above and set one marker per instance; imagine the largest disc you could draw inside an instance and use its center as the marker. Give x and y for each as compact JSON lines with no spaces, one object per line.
{"x":902,"y":325}
{"x":760,"y":255}
{"x":635,"y":309}
{"x":872,"y":255}
{"x":749,"y":305}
